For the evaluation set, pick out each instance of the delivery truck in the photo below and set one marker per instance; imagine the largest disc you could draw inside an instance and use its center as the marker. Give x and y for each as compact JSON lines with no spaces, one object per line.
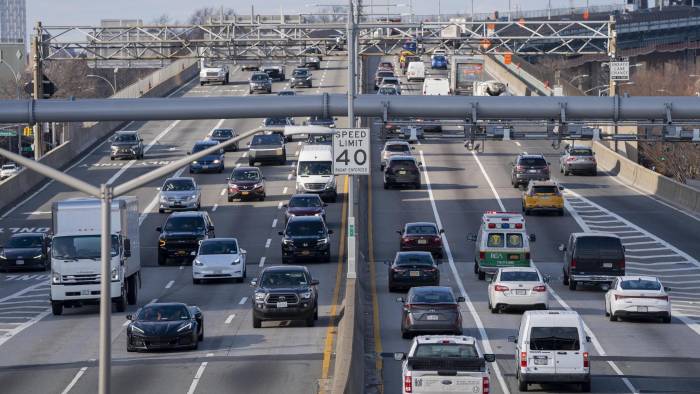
{"x":465,"y":72}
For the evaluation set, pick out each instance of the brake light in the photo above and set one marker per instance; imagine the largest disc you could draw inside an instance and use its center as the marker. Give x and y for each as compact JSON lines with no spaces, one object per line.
{"x":485,"y":385}
{"x":585,"y":359}
{"x":573,"y":263}
{"x":621,"y":264}
{"x":519,"y":167}
{"x":619,"y":297}
{"x":492,"y":225}
{"x":523,"y":359}
{"x":405,"y":240}
{"x":430,"y":269}
{"x":501,"y":288}
{"x":518,"y":225}
{"x":437,"y":239}
{"x":570,"y":159}
{"x":407,"y":383}
{"x":540,"y":288}
{"x":482,"y":255}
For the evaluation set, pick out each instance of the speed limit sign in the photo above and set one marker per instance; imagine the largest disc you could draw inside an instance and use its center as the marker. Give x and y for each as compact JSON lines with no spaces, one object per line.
{"x":351,"y":152}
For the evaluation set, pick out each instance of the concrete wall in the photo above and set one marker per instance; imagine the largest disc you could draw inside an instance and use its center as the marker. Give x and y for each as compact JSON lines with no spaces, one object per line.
{"x":81,"y":137}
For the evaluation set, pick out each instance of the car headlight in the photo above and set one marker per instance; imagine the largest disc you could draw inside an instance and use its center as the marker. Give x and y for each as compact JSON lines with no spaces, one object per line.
{"x":115,"y":274}
{"x":305,"y":295}
{"x":115,"y":148}
{"x":193,"y":197}
{"x":323,"y":241}
{"x":197,"y":263}
{"x":185,"y":327}
{"x":217,"y":161}
{"x":317,"y":214}
{"x":278,"y":151}
{"x":236,"y":261}
{"x":258,"y":185}
{"x":55,"y":278}
{"x":2,"y":256}
{"x":137,"y":329}
{"x":259,"y":296}
{"x":287,"y":241}
{"x":163,"y":198}
{"x":194,"y":162}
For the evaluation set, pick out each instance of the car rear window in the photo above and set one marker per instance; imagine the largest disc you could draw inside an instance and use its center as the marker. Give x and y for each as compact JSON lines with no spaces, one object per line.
{"x":532,"y":161}
{"x":222,"y":133}
{"x":581,"y":152}
{"x":520,"y":276}
{"x":414,"y":259}
{"x":201,"y":147}
{"x":397,"y":148}
{"x":599,"y":247}
{"x":554,"y":338}
{"x":511,"y":240}
{"x":421,"y":230}
{"x":544,"y":189}
{"x":384,"y":74}
{"x":218,"y":247}
{"x":442,"y":350}
{"x":640,"y":284}
{"x":267,"y":139}
{"x":433,"y":296}
{"x":403,"y":164}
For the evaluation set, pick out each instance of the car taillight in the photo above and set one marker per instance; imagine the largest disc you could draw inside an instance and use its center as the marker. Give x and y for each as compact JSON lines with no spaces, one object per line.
{"x":501,"y":288}
{"x":398,"y":270}
{"x":523,"y":359}
{"x":571,"y":158}
{"x":585,"y":359}
{"x":573,"y":263}
{"x":405,"y":240}
{"x":407,"y":383}
{"x":431,"y":270}
{"x":519,"y":168}
{"x":437,"y":239}
{"x":540,"y":288}
{"x":619,"y":297}
{"x":621,"y":264}
{"x":485,"y":385}
{"x":545,"y":169}
{"x":482,"y":255}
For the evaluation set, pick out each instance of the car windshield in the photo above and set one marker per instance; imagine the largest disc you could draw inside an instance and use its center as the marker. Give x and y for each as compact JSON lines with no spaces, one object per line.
{"x":640,"y":284}
{"x":519,"y":276}
{"x":397,"y":148}
{"x":389,"y":90}
{"x":384,"y":74}
{"x":246,"y":175}
{"x":178,"y":185}
{"x":222,"y":133}
{"x":433,"y":296}
{"x":300,"y":73}
{"x":445,"y":350}
{"x":386,"y":65}
{"x":8,"y":167}
{"x":218,"y":247}
{"x":390,"y":81}
{"x":305,"y":202}
{"x":315,"y":168}
{"x":125,"y":137}
{"x":185,"y":224}
{"x":421,"y":229}
{"x":25,"y":241}
{"x":306,"y":228}
{"x":164,"y":313}
{"x":544,"y":189}
{"x":414,"y":259}
{"x":201,"y":147}
{"x":283,"y":279}
{"x":276,"y":121}
{"x":439,"y":58}
{"x":554,"y":338}
{"x":532,"y":161}
{"x":581,"y":152}
{"x":80,"y":247}
{"x":259,"y":77}
{"x":267,"y":139}
{"x":512,"y":240}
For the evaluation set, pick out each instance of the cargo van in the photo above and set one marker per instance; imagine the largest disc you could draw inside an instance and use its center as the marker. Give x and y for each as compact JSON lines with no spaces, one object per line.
{"x":551,"y":346}
{"x":415,"y":72}
{"x":314,"y":172}
{"x":436,"y":87}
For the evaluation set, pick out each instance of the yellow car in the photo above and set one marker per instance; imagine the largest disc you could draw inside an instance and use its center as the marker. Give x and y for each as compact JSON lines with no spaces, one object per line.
{"x":543,"y":196}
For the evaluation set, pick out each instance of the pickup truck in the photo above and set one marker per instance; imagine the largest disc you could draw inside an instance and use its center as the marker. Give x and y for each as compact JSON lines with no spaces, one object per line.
{"x":214,"y":73}
{"x":444,"y":363}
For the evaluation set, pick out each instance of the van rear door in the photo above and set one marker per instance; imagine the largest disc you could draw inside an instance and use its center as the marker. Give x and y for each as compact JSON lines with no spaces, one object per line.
{"x":598,"y":255}
{"x":559,"y":346}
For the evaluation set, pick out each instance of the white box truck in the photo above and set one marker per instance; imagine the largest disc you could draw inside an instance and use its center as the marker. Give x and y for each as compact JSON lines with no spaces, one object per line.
{"x":465,"y":72}
{"x":75,"y":253}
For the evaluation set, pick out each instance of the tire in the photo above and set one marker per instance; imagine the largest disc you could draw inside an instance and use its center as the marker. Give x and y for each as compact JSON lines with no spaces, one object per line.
{"x":196,"y":281}
{"x":160,"y":210}
{"x":230,"y":199}
{"x":162,"y":259}
{"x":111,"y":158}
{"x":494,"y":308}
{"x":482,"y":275}
{"x":572,"y":285}
{"x":251,"y":162}
{"x":586,"y":387}
{"x":406,"y":335}
{"x":566,"y":172}
{"x":57,"y":308}
{"x":200,"y":337}
{"x":257,"y":323}
{"x":129,"y":348}
{"x":522,"y":386}
{"x":195,"y":346}
{"x":594,"y":173}
{"x":476,"y":267}
{"x":527,"y":212}
{"x":560,"y":212}
{"x":386,"y":186}
{"x":666,"y":319}
{"x":417,"y":185}
{"x":565,"y":280}
{"x":310,"y":322}
{"x":561,"y":169}
{"x":316,"y":313}
{"x":392,"y":289}
{"x":132,"y":294}
{"x":120,"y":303}
{"x":515,"y":184}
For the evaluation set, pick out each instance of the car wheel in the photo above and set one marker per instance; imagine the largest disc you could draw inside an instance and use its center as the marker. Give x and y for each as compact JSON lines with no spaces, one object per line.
{"x":201,"y":334}
{"x":257,"y":323}
{"x":316,"y":313}
{"x":386,"y":186}
{"x":566,"y":172}
{"x":594,"y":173}
{"x":132,"y":293}
{"x":561,"y":169}
{"x":417,"y":185}
{"x":162,"y":259}
{"x":129,"y":348}
{"x":515,"y":184}
{"x":195,"y":346}
{"x":522,"y":386}
{"x":494,"y":308}
{"x":482,"y":275}
{"x":666,"y":319}
{"x":196,"y":281}
{"x":476,"y":267}
{"x":310,"y":322}
{"x":560,"y":212}
{"x":160,"y":210}
{"x":527,"y":211}
{"x":57,"y":308}
{"x":120,"y":304}
{"x":586,"y":387}
{"x":251,"y":162}
{"x":572,"y":285}
{"x":406,"y":335}
{"x":230,"y":199}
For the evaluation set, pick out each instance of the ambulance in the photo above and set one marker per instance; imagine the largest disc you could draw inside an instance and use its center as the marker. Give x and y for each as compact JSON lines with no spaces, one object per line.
{"x":500,"y":242}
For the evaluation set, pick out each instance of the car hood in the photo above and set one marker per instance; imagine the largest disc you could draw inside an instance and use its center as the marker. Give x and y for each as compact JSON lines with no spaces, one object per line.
{"x":245,"y":183}
{"x":274,"y":290}
{"x":14,"y":253}
{"x":179,"y":194}
{"x":125,"y":144}
{"x":211,"y":69}
{"x":181,"y":234}
{"x":266,"y":146}
{"x":161,"y":328}
{"x":217,"y":260}
{"x":304,"y":210}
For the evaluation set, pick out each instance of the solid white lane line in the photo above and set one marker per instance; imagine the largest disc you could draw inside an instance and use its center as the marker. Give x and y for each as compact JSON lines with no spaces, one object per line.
{"x":279,"y":206}
{"x":170,"y":284}
{"x":230,"y":318}
{"x":262,"y":262}
{"x":213,"y":209}
{"x":284,"y":191}
{"x":274,"y":223}
{"x":245,"y":154}
{"x":223,"y":191}
{"x":243,"y":300}
{"x":594,"y":340}
{"x":289,"y":177}
{"x":472,"y":310}
{"x":197,"y":376}
{"x":267,"y":243}
{"x":74,"y":381}
{"x":153,"y":301}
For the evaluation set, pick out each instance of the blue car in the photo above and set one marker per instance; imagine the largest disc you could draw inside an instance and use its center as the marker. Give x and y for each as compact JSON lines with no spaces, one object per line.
{"x":410,"y":46}
{"x":439,"y":62}
{"x":212,"y":162}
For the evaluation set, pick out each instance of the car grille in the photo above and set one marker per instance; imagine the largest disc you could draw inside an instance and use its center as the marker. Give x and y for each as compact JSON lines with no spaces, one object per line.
{"x":80,"y":279}
{"x":314,"y":186}
{"x":212,"y":74}
{"x":245,"y":187}
{"x":306,"y":244}
{"x":290,"y":298}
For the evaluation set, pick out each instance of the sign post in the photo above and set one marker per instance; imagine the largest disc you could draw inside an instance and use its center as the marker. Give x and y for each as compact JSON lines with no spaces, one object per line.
{"x":351,"y":152}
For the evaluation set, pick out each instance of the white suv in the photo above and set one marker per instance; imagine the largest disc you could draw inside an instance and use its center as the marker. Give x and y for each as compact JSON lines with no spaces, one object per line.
{"x":8,"y":170}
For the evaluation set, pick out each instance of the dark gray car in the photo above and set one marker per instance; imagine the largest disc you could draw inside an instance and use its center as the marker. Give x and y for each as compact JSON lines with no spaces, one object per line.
{"x":260,"y":82}
{"x":285,"y":293}
{"x":430,"y":310}
{"x":402,"y":170}
{"x":301,"y":77}
{"x":578,"y":159}
{"x":25,"y":251}
{"x":126,"y":144}
{"x":267,"y":148}
{"x":528,"y":168}
{"x":223,"y":135}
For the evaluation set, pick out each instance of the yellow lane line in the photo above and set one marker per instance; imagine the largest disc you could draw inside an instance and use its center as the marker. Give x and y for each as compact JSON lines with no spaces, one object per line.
{"x":332,"y":330}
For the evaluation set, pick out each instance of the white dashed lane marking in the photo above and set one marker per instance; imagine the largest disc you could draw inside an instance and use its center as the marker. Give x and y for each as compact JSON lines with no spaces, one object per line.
{"x":230,"y":318}
{"x":243,"y":301}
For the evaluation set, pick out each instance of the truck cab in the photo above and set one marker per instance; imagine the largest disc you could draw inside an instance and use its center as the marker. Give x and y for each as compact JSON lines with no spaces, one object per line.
{"x":314,"y":172}
{"x":500,"y":242}
{"x":76,"y":253}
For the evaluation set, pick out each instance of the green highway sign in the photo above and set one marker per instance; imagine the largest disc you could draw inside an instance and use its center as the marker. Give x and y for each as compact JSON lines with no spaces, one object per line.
{"x":27,"y":149}
{"x":7,"y":133}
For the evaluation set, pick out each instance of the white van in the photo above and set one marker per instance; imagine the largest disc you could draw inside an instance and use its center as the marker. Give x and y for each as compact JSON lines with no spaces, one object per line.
{"x":415,"y":71}
{"x":551,"y":347}
{"x":314,"y":171}
{"x":436,"y":87}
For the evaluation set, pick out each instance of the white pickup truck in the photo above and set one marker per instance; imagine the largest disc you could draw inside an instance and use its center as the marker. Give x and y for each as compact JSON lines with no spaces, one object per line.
{"x":444,"y":364}
{"x":214,"y":73}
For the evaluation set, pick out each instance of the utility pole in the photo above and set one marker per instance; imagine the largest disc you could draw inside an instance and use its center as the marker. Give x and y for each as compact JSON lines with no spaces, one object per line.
{"x":351,"y":63}
{"x":38,"y":78}
{"x":105,"y":350}
{"x":612,"y":53}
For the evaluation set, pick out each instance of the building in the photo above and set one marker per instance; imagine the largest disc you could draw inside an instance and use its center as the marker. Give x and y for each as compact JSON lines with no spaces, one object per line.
{"x":13,"y":21}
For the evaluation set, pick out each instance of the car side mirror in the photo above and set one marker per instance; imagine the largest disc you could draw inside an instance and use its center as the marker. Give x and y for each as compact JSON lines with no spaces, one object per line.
{"x":561,"y":187}
{"x":420,"y":164}
{"x":546,"y":279}
{"x":280,"y":233}
{"x":512,"y":164}
{"x":243,"y":251}
{"x":127,"y":247}
{"x":667,"y":288}
{"x":588,"y":339}
{"x":314,"y":282}
{"x":413,"y":148}
{"x":532,"y":238}
{"x":193,"y":253}
{"x":461,"y":299}
{"x":325,"y":205}
{"x":330,"y":232}
{"x":189,"y":153}
{"x":442,"y":231}
{"x":253,"y":283}
{"x":399,"y":356}
{"x":263,"y":178}
{"x":400,"y":300}
{"x":129,"y":317}
{"x":159,"y":229}
{"x":548,"y":163}
{"x":141,"y":139}
{"x":210,"y":228}
{"x":399,"y":232}
{"x":489,"y":357}
{"x":247,"y":143}
{"x":561,"y":247}
{"x":513,"y":339}
{"x":284,"y":205}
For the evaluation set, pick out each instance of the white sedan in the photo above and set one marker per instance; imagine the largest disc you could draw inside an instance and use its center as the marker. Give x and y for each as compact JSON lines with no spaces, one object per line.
{"x":8,"y":170}
{"x":637,"y":296}
{"x":518,"y":287}
{"x":219,"y":258}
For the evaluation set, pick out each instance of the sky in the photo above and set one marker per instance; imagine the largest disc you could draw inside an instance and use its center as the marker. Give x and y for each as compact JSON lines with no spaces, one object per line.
{"x":90,"y":12}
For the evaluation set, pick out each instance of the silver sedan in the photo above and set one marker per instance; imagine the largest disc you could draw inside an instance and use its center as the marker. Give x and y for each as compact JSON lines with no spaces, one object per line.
{"x":179,"y":194}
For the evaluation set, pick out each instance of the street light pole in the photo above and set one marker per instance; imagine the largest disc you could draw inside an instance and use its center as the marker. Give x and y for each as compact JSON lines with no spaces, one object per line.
{"x":114,"y":89}
{"x":105,"y":350}
{"x":16,"y":76}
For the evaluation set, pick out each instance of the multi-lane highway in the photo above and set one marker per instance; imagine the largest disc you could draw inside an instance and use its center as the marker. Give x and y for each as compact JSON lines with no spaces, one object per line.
{"x":42,"y":353}
{"x":459,"y":186}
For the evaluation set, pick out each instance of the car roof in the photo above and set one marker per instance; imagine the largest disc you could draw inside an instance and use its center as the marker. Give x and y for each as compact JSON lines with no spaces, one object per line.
{"x":595,"y":234}
{"x":166,"y":304}
{"x":402,"y":157}
{"x":180,"y":178}
{"x":421,"y":224}
{"x":285,"y":268}
{"x":518,"y":269}
{"x":459,"y":339}
{"x":407,"y":252}
{"x":206,"y":142}
{"x":218,"y":239}
{"x":305,"y":195}
{"x":306,"y":219}
{"x":27,"y":235}
{"x":530,"y":155}
{"x":552,"y":318}
{"x":446,"y":289}
{"x":640,"y":277}
{"x":127,"y":132}
{"x":396,"y":142}
{"x":544,"y":183}
{"x":187,"y":214}
{"x":247,"y":168}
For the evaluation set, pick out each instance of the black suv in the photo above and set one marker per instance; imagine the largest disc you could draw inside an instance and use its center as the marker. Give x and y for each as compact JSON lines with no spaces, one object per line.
{"x":181,"y":233}
{"x":126,"y":144}
{"x":592,"y":258}
{"x":402,"y":170}
{"x":301,"y":77}
{"x":528,"y":168}
{"x":306,"y":237}
{"x":285,"y":293}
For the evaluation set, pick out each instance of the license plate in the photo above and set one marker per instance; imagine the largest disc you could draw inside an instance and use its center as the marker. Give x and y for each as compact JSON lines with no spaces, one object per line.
{"x":414,"y":273}
{"x":19,"y":262}
{"x":540,"y":360}
{"x":402,"y":172}
{"x":520,"y":292}
{"x":244,"y":193}
{"x":422,"y":241}
{"x":305,"y":252}
{"x":513,"y":257}
{"x":432,"y":317}
{"x":532,"y":171}
{"x":607,"y":265}
{"x":282,"y":304}
{"x":84,"y":292}
{"x":181,"y":252}
{"x":642,"y":309}
{"x":544,"y":197}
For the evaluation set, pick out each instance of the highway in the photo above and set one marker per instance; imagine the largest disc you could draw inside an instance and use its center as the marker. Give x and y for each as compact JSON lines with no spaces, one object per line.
{"x":42,"y":353}
{"x":459,"y":186}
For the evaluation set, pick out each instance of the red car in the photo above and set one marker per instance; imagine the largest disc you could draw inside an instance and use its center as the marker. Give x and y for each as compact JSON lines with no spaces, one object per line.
{"x":422,"y":236}
{"x":386,"y":66}
{"x":305,"y":205}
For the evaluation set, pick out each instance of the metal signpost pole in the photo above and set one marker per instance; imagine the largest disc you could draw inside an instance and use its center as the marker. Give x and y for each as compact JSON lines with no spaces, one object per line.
{"x":105,"y":352}
{"x":612,"y":53}
{"x":38,"y":78}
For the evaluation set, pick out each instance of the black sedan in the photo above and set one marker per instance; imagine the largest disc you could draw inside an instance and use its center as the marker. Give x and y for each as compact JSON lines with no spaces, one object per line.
{"x":25,"y":251}
{"x":430,"y":310}
{"x":162,"y":325}
{"x":413,"y":269}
